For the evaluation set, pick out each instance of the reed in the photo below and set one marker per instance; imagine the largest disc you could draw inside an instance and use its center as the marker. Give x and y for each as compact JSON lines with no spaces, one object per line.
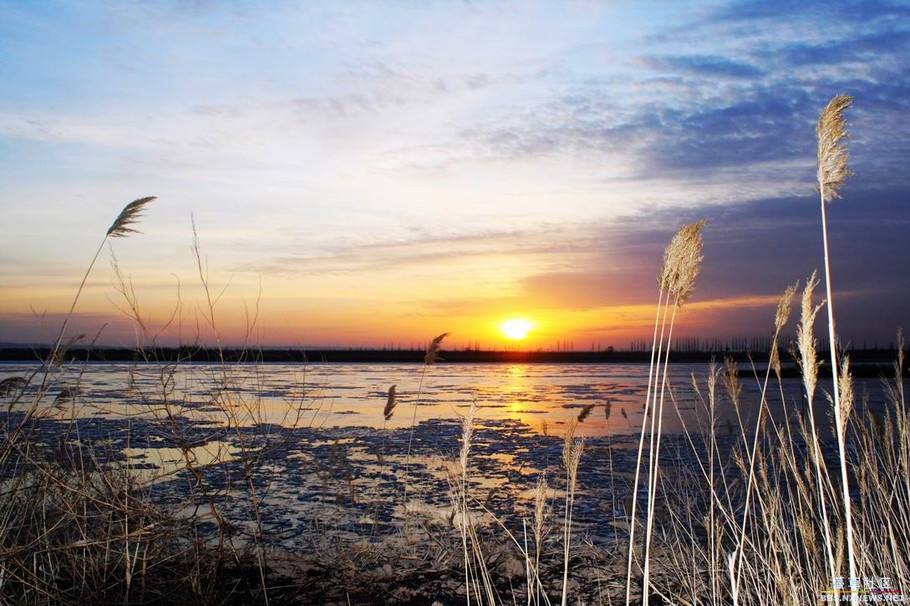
{"x":781,"y":317}
{"x":681,"y":266}
{"x":390,"y":403}
{"x":478,"y":579}
{"x":430,"y":358}
{"x":808,"y":361}
{"x":123,"y":225}
{"x":467,"y":432}
{"x":541,"y":513}
{"x":433,"y":349}
{"x":783,"y":561}
{"x":571,"y":457}
{"x":831,"y":132}
{"x":585,"y":412}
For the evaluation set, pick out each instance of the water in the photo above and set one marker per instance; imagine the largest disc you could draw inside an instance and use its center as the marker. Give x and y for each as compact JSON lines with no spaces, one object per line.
{"x":313,"y":445}
{"x":543,"y":396}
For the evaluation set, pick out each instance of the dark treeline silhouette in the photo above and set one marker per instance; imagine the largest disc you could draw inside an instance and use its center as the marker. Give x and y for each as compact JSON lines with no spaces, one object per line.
{"x":741,"y":344}
{"x":873,"y":362}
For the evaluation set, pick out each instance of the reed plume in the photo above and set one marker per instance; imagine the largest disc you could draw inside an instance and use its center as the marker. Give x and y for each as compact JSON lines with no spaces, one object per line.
{"x":805,"y":337}
{"x":675,"y":280}
{"x":432,"y":355}
{"x":585,"y":412}
{"x":784,"y":305}
{"x":467,"y":433}
{"x":900,"y":351}
{"x":682,"y":261}
{"x":833,"y":171}
{"x":831,"y":131}
{"x":124,"y":224}
{"x":541,"y":510}
{"x":731,"y":381}
{"x":774,"y":361}
{"x":846,"y":394}
{"x":781,"y":317}
{"x":390,"y":404}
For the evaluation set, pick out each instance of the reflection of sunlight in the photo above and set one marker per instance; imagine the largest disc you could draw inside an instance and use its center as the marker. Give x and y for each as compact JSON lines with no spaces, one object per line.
{"x":167,"y":461}
{"x":516,"y":390}
{"x":516,"y":370}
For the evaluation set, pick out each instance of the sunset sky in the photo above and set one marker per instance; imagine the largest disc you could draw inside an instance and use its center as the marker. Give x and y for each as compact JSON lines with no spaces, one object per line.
{"x":379,"y":172}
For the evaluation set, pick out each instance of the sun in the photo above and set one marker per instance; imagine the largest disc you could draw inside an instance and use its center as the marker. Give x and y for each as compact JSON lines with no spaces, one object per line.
{"x":516,"y":328}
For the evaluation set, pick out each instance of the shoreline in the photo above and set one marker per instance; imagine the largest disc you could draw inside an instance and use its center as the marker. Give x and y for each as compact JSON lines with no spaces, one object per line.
{"x":866,"y":363}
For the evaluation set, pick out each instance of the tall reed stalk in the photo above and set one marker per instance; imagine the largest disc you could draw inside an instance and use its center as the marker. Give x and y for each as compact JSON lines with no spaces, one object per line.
{"x":832,"y":174}
{"x":430,"y":357}
{"x":123,"y":225}
{"x":641,"y":440}
{"x":467,"y":432}
{"x":571,"y":456}
{"x":676,"y":279}
{"x":781,"y":316}
{"x":808,"y":360}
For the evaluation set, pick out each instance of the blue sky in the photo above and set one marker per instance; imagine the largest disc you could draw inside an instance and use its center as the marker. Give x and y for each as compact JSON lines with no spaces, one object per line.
{"x":380,"y":171}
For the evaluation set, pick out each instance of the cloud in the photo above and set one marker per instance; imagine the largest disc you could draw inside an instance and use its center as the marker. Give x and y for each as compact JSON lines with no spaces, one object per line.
{"x":424,"y":250}
{"x":855,"y":11}
{"x":752,"y":108}
{"x":752,"y":252}
{"x":706,"y":65}
{"x":863,"y":48}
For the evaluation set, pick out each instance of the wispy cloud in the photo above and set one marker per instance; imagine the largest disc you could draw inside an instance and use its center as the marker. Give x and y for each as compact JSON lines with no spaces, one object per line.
{"x":706,"y":65}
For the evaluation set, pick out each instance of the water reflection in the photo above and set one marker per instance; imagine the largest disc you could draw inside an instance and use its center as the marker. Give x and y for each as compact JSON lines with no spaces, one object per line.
{"x":354,"y":395}
{"x":514,"y":391}
{"x":154,"y":464}
{"x":323,"y":450}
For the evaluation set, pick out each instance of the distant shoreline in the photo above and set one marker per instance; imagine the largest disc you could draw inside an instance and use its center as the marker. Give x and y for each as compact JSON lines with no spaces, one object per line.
{"x":868,"y":362}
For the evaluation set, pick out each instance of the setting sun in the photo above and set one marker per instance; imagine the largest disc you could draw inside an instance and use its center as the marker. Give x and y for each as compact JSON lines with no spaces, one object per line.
{"x":516,"y":328}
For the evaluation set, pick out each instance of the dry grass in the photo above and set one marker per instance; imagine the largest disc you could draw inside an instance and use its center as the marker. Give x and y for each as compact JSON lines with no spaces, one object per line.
{"x":77,"y":530}
{"x":78,"y":524}
{"x":785,"y":557}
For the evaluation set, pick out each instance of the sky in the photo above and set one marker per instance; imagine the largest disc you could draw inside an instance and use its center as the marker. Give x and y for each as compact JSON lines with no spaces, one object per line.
{"x":375,"y":173}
